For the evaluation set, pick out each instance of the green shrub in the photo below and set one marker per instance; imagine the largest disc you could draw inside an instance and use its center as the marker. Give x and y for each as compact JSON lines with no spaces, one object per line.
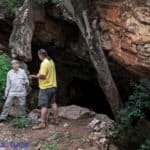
{"x":50,"y":146}
{"x":145,"y":146}
{"x":4,"y":68}
{"x":20,"y":122}
{"x":12,"y":5}
{"x":137,"y":108}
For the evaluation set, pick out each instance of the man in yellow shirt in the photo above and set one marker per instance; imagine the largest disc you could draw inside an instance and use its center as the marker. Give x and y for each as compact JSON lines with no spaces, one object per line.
{"x":47,"y":84}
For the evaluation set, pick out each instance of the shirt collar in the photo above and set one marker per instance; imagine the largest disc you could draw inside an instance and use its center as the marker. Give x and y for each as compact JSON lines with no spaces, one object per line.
{"x":45,"y":59}
{"x":17,"y":71}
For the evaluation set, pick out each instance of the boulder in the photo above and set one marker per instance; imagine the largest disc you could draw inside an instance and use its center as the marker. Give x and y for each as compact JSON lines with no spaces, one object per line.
{"x":34,"y":115}
{"x":101,"y":133}
{"x":73,"y":112}
{"x":94,"y":124}
{"x":100,"y":125}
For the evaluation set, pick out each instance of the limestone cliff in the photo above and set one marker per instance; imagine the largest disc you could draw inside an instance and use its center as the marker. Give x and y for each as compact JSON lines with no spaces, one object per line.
{"x":125,"y":28}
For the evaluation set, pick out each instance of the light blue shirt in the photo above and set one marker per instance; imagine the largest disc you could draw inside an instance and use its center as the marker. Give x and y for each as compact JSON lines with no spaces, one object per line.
{"x":14,"y":85}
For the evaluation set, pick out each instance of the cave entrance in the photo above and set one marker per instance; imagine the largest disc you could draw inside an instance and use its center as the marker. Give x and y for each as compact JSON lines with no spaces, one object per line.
{"x":87,"y":93}
{"x":77,"y":83}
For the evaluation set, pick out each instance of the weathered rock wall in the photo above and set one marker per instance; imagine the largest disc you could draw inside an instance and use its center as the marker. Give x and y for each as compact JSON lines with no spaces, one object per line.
{"x":5,"y":29}
{"x":125,"y":29}
{"x":23,"y":29}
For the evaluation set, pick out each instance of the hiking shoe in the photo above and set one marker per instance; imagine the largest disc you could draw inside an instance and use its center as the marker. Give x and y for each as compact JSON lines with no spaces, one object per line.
{"x":2,"y":119}
{"x":39,"y":126}
{"x":55,"y":121}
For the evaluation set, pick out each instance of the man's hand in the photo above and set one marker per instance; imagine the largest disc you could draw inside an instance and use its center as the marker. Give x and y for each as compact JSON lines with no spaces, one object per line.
{"x":26,"y":84}
{"x":5,"y":96}
{"x":34,"y":76}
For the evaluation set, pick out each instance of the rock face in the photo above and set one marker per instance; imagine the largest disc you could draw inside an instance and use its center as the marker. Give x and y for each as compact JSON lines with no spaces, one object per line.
{"x":5,"y":26}
{"x":125,"y":32}
{"x":34,"y":115}
{"x":21,"y":36}
{"x":125,"y":29}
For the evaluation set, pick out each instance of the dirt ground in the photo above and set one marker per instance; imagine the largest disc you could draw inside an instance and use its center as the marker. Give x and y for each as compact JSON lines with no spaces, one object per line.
{"x":68,"y":135}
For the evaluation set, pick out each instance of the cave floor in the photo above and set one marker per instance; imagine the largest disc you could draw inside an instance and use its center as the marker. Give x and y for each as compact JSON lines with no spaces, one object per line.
{"x":68,"y":135}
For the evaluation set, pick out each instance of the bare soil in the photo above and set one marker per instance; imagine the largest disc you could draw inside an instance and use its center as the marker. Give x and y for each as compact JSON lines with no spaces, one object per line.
{"x":68,"y":135}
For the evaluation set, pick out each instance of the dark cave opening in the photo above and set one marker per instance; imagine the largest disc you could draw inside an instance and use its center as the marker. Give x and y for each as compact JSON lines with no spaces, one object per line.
{"x":77,"y":83}
{"x":89,"y":94}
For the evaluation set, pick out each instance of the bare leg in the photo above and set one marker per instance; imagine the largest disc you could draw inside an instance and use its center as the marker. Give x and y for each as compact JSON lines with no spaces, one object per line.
{"x":42,"y":125}
{"x":44,"y":111}
{"x":55,"y":112}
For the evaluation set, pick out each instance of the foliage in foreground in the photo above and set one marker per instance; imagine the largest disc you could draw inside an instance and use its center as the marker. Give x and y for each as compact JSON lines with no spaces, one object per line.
{"x":137,"y":108}
{"x":20,"y":123}
{"x":12,"y":5}
{"x":145,"y":146}
{"x":5,"y":67}
{"x":50,"y":146}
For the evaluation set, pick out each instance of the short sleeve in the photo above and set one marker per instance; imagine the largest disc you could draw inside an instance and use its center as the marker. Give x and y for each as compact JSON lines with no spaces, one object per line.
{"x":43,"y":69}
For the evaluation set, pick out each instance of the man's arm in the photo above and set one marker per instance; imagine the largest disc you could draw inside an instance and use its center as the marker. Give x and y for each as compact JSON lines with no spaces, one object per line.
{"x":26,"y":80}
{"x":38,"y":76}
{"x":42,"y":73}
{"x":8,"y":85}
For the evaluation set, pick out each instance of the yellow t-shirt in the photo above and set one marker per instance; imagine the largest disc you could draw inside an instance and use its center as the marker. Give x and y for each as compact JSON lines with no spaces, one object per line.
{"x":47,"y":68}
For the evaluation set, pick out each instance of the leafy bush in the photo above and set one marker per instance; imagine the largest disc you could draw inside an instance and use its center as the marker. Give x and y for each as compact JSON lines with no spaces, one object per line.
{"x":50,"y":146}
{"x":137,"y":108}
{"x":12,"y":5}
{"x":20,"y":122}
{"x":145,"y":146}
{"x":5,"y":67}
